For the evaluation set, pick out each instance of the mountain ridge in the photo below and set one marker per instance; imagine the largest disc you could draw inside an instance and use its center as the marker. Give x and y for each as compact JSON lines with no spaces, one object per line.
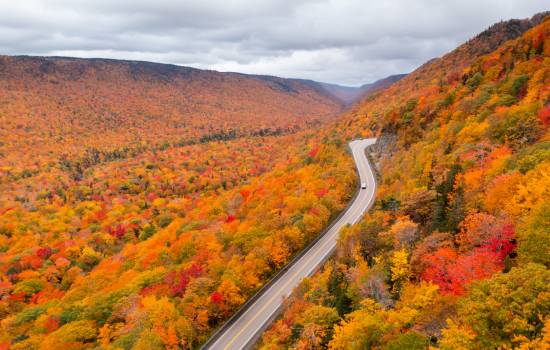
{"x":346,"y":94}
{"x":50,"y":100}
{"x":351,"y":95}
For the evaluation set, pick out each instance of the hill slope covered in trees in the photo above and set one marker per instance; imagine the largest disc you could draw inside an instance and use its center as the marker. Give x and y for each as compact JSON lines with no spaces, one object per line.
{"x":59,"y":107}
{"x":455,"y":254}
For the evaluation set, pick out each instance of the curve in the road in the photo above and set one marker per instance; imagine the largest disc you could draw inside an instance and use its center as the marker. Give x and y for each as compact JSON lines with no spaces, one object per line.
{"x":248,"y":323}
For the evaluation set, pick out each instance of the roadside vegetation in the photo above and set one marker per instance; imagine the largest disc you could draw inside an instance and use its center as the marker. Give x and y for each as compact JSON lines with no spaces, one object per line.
{"x":456,"y":253}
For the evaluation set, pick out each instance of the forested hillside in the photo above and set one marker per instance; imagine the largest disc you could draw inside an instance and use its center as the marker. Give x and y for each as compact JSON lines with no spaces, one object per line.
{"x":54,"y":109}
{"x":455,"y":254}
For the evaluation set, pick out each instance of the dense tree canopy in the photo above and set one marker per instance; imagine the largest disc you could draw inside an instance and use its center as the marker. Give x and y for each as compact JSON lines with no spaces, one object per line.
{"x":150,"y":209}
{"x":455,"y":253}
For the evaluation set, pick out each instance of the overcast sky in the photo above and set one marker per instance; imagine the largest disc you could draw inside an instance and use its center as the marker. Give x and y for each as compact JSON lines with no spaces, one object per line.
{"x":340,"y":41}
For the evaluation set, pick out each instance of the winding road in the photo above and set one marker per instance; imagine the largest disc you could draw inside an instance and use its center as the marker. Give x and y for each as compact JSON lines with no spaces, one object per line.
{"x":242,"y":330}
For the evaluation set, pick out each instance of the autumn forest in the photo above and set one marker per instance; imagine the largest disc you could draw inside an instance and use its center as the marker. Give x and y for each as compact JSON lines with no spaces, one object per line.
{"x":142,"y":204}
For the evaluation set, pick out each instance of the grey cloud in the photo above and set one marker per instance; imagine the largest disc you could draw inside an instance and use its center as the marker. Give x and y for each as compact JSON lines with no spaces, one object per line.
{"x":339,"y":41}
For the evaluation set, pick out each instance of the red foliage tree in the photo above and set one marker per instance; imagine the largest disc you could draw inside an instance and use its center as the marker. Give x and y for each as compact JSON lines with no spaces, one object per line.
{"x":216,"y":298}
{"x":44,"y":252}
{"x":544,"y":115}
{"x":452,"y":273}
{"x":503,"y":244}
{"x":179,"y":281}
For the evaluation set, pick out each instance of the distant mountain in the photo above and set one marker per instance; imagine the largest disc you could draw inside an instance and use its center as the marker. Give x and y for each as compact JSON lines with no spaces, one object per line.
{"x":380,"y":84}
{"x":56,"y":105}
{"x":350,"y":94}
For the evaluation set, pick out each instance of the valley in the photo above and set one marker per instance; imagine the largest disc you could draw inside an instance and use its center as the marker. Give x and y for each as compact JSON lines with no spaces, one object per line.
{"x":143,"y":204}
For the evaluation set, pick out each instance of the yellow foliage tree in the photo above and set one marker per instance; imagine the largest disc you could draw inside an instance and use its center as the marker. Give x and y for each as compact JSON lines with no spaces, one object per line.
{"x":400,"y":269}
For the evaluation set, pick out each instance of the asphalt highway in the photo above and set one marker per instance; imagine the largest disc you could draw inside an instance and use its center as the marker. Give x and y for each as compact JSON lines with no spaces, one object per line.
{"x":242,"y":332}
